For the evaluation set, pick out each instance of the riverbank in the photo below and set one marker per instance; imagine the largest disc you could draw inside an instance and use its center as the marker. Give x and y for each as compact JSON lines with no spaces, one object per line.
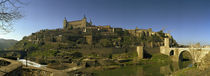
{"x":192,"y":71}
{"x":200,"y":69}
{"x":158,"y":65}
{"x":157,"y":60}
{"x":91,"y":64}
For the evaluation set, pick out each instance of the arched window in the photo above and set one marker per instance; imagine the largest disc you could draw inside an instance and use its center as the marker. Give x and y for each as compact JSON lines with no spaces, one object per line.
{"x":171,"y":53}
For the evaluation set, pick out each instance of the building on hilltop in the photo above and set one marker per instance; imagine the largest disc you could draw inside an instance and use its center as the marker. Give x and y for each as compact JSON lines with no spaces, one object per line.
{"x":76,"y":24}
{"x":87,"y":26}
{"x":141,"y":32}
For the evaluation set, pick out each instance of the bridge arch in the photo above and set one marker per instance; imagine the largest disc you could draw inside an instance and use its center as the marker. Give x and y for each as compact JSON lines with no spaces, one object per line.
{"x":185,"y":59}
{"x":185,"y":56}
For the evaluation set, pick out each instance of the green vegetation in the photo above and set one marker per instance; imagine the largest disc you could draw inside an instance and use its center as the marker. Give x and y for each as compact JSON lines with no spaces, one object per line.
{"x":157,"y":58}
{"x":94,"y":48}
{"x":105,"y":43}
{"x":40,"y":54}
{"x":187,"y":71}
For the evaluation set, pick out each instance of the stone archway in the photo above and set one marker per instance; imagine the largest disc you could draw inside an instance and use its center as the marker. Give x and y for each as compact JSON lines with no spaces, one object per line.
{"x":171,"y":53}
{"x":185,"y":56}
{"x":185,"y":59}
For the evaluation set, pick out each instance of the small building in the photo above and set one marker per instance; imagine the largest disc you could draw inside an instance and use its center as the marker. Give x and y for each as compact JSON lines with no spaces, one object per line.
{"x":141,"y":32}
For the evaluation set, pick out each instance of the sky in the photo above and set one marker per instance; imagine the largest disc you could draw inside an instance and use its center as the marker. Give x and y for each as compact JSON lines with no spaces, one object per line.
{"x":186,"y":20}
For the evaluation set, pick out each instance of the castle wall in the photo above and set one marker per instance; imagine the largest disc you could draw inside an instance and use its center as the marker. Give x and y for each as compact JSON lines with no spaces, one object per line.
{"x":75,"y":23}
{"x":89,"y":39}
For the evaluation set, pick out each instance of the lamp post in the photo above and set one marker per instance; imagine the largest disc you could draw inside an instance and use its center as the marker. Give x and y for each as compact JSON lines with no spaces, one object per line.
{"x":26,"y":53}
{"x":26,"y":57}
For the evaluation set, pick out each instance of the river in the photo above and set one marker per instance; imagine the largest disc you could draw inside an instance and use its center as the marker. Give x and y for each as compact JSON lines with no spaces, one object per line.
{"x":146,"y":70}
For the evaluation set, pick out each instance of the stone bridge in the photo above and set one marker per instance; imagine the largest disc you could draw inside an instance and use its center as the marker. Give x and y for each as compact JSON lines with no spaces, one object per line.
{"x":197,"y":54}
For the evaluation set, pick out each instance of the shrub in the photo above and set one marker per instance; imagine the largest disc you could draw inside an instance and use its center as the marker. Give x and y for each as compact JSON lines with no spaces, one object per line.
{"x":76,"y":55}
{"x":105,"y":43}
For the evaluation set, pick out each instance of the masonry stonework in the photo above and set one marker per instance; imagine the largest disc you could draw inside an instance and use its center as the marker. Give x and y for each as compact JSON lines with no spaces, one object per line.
{"x":140,"y":52}
{"x":197,"y":54}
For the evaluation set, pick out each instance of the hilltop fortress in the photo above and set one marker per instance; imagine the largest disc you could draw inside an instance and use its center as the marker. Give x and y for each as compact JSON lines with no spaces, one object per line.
{"x":79,"y":33}
{"x":88,"y":29}
{"x":88,"y":26}
{"x":76,"y":24}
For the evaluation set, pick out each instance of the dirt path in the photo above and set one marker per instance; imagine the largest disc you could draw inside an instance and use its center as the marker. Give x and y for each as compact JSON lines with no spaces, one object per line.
{"x":72,"y":69}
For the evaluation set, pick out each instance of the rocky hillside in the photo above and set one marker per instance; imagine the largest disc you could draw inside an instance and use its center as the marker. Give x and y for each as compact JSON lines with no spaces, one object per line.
{"x":48,"y":46}
{"x":72,"y":39}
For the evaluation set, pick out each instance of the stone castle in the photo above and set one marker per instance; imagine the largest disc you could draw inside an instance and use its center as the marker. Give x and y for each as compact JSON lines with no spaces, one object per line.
{"x":76,"y":24}
{"x":88,"y":26}
{"x":92,"y":34}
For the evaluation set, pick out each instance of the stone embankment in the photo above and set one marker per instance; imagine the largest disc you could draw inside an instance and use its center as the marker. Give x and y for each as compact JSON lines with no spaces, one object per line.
{"x":44,"y":71}
{"x":15,"y":68}
{"x":12,"y":69}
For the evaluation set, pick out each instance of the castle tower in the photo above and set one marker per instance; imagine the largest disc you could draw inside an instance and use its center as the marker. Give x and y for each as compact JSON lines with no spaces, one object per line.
{"x":90,"y":22}
{"x":140,"y":52}
{"x":64,"y":23}
{"x":84,"y":17}
{"x":137,"y":28}
{"x":84,"y":21}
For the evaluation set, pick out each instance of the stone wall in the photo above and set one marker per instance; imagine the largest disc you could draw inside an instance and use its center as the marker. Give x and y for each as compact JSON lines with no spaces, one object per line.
{"x":89,"y":39}
{"x":13,"y":69}
{"x":31,"y":71}
{"x":140,"y":52}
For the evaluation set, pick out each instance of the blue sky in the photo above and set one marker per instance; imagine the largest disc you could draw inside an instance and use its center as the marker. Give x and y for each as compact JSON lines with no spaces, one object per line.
{"x":187,"y":20}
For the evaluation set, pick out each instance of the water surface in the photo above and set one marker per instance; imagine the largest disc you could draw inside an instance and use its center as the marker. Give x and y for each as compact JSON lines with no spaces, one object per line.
{"x":145,"y":70}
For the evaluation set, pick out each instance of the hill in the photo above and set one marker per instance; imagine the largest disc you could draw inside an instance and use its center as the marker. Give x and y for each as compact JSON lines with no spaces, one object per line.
{"x":69,"y":45}
{"x":7,"y":43}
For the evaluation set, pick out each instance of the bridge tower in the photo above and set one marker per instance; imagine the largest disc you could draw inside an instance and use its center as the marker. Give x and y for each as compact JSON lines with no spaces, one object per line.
{"x":166,"y":42}
{"x":140,"y":52}
{"x":165,"y":49}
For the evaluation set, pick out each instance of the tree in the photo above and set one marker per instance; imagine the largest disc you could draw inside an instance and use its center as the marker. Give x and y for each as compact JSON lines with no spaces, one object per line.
{"x":9,"y":12}
{"x":129,"y":41}
{"x":105,"y":42}
{"x":161,"y":33}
